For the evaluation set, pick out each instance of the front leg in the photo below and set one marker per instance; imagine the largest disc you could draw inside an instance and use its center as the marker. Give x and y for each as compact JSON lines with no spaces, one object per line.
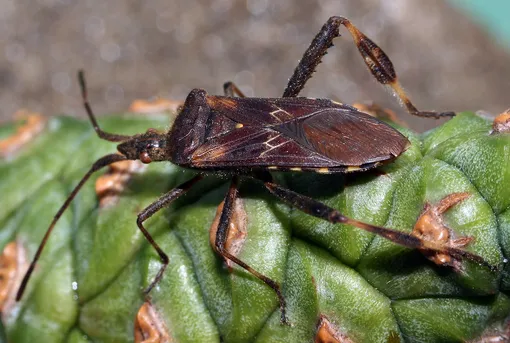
{"x":150,"y":210}
{"x":375,"y":59}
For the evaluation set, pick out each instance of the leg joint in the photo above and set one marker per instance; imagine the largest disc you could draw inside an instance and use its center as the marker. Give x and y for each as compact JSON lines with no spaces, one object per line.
{"x":140,"y":219}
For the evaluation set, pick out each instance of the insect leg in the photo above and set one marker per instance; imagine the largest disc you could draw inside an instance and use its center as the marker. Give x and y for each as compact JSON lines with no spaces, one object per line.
{"x":103,"y":135}
{"x":375,"y":59}
{"x":221,"y":237}
{"x":312,"y":57}
{"x":102,"y":162}
{"x":320,"y":210}
{"x":150,"y":210}
{"x":230,"y":89}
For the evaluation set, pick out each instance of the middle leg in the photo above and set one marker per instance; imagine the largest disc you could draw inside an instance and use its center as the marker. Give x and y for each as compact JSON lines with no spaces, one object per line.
{"x":230,"y":89}
{"x":221,"y":237}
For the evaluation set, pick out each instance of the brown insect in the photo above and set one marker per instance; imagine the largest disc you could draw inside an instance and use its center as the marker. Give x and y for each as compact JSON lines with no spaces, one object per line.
{"x":248,"y":137}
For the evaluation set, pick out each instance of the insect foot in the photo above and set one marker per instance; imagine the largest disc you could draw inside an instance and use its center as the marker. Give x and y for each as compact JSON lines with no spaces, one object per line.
{"x":430,"y":227}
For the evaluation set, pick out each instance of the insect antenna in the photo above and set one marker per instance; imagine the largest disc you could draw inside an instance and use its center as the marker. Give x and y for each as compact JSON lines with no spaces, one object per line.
{"x":102,"y":134}
{"x":100,"y":163}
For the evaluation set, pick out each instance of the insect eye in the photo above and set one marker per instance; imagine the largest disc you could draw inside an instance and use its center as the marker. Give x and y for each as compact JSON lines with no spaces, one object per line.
{"x":152,"y":145}
{"x":145,"y":158}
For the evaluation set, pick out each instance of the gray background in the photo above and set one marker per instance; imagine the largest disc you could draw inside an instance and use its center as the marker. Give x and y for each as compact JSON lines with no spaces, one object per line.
{"x":139,"y":49}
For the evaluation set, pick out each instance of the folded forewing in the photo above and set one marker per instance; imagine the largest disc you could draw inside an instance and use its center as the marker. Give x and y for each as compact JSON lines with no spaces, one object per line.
{"x":347,"y":137}
{"x":252,"y":146}
{"x":326,"y":138}
{"x":267,"y":111}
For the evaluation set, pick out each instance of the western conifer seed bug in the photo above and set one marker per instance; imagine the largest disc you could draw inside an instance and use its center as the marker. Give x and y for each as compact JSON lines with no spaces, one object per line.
{"x":249,"y":137}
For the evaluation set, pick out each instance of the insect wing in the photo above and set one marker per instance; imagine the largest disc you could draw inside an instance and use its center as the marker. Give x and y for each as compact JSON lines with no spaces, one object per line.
{"x":349,"y":137}
{"x":297,"y":132}
{"x":267,"y":111}
{"x":255,"y":147}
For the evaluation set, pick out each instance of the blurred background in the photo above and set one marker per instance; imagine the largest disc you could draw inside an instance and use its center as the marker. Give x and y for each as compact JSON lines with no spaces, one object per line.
{"x":449,"y":55}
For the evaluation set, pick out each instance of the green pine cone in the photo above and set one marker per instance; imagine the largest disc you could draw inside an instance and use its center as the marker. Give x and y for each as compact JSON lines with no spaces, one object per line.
{"x":337,"y":280}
